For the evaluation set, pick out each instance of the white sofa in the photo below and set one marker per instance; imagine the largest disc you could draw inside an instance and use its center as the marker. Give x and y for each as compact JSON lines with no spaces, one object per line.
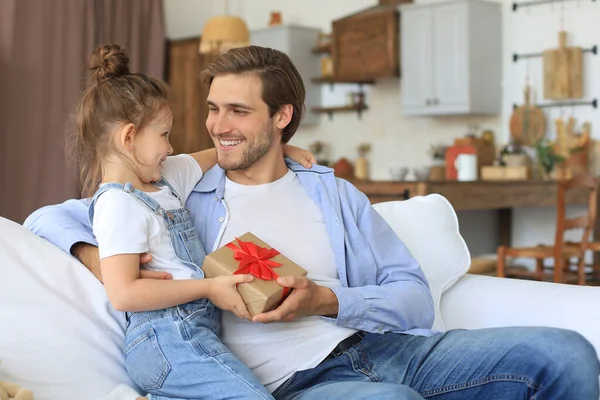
{"x":475,"y":301}
{"x":60,"y":337}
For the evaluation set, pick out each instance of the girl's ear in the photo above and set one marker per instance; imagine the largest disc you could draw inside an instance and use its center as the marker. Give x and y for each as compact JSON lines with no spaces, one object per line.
{"x":125,"y":136}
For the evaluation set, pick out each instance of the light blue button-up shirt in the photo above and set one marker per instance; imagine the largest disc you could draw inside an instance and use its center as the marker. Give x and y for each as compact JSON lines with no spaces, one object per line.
{"x":383,"y":287}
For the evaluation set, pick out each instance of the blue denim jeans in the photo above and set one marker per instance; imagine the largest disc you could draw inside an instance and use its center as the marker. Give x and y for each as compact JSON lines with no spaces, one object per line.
{"x":175,"y":354}
{"x":496,"y":363}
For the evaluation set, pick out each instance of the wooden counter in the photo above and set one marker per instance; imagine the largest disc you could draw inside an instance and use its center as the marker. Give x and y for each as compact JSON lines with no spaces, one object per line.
{"x":478,"y":195}
{"x":501,"y":196}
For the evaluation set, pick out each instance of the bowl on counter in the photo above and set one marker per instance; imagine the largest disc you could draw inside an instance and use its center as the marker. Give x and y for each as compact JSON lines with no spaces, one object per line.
{"x":398,"y":173}
{"x":421,"y":173}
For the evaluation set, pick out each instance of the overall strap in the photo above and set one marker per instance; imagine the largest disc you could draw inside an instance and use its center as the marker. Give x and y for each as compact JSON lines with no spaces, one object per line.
{"x":162,"y":182}
{"x":140,"y":196}
{"x":104,"y":188}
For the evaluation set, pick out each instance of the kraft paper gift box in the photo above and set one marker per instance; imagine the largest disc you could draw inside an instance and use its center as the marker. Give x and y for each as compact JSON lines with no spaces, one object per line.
{"x":250,"y":255}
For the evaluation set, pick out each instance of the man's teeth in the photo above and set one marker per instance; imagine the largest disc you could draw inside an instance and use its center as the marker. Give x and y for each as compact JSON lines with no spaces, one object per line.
{"x":229,"y":142}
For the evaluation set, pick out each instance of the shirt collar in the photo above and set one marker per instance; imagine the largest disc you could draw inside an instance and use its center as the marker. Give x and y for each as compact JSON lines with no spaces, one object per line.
{"x":214,"y":179}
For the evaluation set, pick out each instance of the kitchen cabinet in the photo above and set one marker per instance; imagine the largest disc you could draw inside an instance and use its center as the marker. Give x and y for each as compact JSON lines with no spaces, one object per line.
{"x":451,"y":58}
{"x":297,"y":42}
{"x":365,"y":45}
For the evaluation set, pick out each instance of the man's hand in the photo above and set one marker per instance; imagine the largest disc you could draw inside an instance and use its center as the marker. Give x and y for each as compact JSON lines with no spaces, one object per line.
{"x":306,"y":298}
{"x":145,"y":274}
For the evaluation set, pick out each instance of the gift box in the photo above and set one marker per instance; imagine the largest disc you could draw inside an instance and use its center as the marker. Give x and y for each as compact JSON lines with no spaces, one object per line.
{"x":250,"y":255}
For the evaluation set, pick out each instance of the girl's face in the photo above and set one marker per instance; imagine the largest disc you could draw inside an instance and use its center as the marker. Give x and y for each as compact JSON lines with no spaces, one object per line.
{"x":151,"y":146}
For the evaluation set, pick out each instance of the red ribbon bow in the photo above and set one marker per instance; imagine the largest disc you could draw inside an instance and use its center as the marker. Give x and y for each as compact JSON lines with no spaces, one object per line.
{"x":255,"y":260}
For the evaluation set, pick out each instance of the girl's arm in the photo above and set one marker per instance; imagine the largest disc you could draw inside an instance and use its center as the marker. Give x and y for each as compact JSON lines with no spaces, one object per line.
{"x":128,"y":292}
{"x":208,"y":158}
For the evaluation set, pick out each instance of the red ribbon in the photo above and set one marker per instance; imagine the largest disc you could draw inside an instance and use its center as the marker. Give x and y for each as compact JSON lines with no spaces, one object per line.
{"x":255,"y":260}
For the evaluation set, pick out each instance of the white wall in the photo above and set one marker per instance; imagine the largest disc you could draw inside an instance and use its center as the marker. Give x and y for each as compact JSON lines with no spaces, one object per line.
{"x":399,"y":140}
{"x":531,"y":30}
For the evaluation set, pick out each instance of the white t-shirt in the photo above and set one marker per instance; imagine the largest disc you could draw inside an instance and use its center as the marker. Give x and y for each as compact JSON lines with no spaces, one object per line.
{"x":123,"y":225}
{"x":282,"y":214}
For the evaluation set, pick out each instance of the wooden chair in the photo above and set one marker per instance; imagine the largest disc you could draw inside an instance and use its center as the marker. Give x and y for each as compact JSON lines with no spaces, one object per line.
{"x":562,"y":251}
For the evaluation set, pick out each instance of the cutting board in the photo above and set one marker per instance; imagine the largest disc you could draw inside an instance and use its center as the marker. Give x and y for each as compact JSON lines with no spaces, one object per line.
{"x":527,"y":122}
{"x":563,"y":71}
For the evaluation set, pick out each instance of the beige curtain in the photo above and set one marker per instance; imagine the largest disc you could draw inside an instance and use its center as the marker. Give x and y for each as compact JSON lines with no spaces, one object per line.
{"x":138,"y":26}
{"x":44,"y":46}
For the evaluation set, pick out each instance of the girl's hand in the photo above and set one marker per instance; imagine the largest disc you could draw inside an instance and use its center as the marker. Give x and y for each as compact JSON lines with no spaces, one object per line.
{"x":223,"y":293}
{"x":304,"y":157}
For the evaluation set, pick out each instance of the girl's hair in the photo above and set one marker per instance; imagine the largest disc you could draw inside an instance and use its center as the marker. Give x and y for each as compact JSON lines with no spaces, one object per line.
{"x":115,"y":96}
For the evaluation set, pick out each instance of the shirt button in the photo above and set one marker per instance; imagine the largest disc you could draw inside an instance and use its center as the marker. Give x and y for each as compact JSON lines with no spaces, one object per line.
{"x":221,"y":219}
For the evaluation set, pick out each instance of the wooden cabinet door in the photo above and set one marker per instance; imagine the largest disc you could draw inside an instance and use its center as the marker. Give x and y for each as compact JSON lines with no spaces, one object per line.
{"x":365,"y":45}
{"x":450,"y":66}
{"x":416,"y":33}
{"x":188,"y":96}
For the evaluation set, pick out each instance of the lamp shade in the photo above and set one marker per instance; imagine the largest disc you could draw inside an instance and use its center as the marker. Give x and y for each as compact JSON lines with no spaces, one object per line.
{"x":223,"y":33}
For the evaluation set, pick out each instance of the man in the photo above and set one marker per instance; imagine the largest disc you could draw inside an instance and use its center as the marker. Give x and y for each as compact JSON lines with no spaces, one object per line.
{"x":359,"y":325}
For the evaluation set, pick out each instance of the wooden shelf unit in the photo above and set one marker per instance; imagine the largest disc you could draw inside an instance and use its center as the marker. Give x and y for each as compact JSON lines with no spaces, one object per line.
{"x":330,"y":110}
{"x":332,"y":80}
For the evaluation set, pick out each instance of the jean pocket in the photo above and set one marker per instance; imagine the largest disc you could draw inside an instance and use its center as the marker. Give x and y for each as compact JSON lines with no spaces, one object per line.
{"x":197,"y":307}
{"x":146,"y":363}
{"x":193,"y":246}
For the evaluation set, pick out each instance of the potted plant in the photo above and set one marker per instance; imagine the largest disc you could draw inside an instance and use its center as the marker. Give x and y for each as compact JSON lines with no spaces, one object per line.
{"x":547,"y":158}
{"x":437,"y":152}
{"x":317,"y":149}
{"x":513,"y":155}
{"x":361,"y":169}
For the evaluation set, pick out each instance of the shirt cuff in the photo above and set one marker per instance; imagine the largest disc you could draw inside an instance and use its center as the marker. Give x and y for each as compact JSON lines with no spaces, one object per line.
{"x":67,"y":240}
{"x":351,"y":306}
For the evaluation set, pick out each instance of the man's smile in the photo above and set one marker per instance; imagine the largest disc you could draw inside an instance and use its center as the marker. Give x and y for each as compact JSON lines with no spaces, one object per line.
{"x":229,"y":143}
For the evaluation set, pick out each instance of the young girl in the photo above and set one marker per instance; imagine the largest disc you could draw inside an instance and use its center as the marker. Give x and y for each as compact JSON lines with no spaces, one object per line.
{"x":172,"y":345}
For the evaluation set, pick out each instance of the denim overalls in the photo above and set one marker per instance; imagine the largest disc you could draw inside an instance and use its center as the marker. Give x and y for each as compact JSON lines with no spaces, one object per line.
{"x":176,"y":352}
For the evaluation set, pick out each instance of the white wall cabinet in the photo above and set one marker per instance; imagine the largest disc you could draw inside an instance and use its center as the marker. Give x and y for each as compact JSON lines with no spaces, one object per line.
{"x":451,"y":58}
{"x":297,"y":42}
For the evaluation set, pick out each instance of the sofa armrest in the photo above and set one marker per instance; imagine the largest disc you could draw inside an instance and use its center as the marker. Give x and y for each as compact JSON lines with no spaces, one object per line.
{"x":481,"y":302}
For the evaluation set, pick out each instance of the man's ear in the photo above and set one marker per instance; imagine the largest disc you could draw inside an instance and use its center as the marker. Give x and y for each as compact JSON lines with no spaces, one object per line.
{"x":125,"y":136}
{"x":284,"y":116}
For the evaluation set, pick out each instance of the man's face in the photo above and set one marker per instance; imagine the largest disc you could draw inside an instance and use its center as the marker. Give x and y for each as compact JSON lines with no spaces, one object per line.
{"x":238,"y":121}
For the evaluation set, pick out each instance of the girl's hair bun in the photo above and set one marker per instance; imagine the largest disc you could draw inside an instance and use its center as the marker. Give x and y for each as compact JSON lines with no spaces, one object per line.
{"x":108,"y":61}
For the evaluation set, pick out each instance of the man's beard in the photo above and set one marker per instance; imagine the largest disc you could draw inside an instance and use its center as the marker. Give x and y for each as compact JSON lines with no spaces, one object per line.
{"x":252,"y":153}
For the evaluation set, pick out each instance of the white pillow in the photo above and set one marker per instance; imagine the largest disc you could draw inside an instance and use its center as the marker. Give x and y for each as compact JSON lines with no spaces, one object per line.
{"x":428,"y":226}
{"x":59,"y":336}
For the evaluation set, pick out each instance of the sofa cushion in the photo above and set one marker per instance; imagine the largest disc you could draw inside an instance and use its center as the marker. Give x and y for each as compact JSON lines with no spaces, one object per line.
{"x":59,"y":336}
{"x":428,"y":226}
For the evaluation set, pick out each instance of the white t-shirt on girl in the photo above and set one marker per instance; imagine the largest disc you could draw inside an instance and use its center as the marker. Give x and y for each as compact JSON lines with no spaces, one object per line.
{"x":123,"y":225}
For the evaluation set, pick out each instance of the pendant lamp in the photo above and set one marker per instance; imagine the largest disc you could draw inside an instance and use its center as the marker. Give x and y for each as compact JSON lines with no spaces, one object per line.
{"x":222,"y":33}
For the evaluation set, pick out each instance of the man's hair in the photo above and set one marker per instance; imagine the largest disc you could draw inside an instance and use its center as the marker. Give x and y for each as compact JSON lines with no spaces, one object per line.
{"x":281,"y":82}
